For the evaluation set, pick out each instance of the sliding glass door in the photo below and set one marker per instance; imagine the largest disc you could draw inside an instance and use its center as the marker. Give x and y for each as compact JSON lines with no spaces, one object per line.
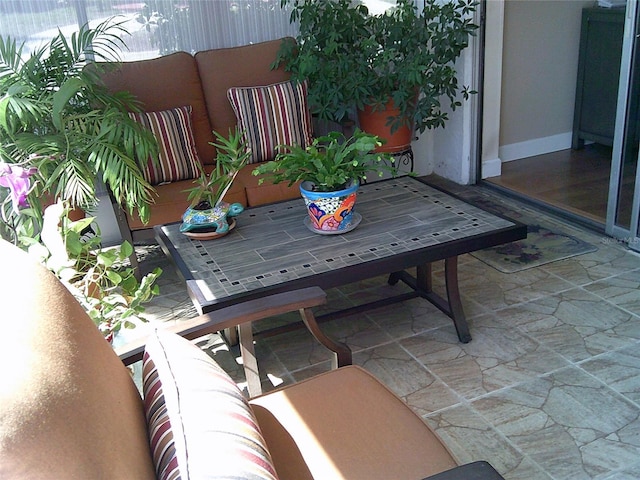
{"x":624,"y":188}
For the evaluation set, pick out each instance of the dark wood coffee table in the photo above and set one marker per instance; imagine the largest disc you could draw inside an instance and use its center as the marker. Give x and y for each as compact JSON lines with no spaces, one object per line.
{"x":405,"y":224}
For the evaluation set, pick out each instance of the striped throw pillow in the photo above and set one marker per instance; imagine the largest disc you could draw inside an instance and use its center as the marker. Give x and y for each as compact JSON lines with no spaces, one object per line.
{"x":200,"y":425}
{"x":163,"y":448}
{"x":272,"y":115}
{"x":177,"y":156}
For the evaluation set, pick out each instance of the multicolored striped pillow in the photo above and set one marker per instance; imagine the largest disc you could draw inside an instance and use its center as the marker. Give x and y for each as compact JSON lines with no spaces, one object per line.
{"x":272,"y":115}
{"x":163,"y":448}
{"x":200,"y":424}
{"x":177,"y":156}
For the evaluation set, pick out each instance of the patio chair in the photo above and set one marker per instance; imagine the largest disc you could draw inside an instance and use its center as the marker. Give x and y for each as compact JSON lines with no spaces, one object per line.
{"x":69,"y":408}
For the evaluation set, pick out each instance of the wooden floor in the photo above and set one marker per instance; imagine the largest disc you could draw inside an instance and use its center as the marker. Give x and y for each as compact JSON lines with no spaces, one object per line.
{"x":576,"y":181}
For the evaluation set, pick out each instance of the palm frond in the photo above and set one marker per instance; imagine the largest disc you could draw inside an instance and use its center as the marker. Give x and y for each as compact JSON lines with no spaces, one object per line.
{"x":19,"y":112}
{"x":10,"y":57}
{"x":54,"y":106}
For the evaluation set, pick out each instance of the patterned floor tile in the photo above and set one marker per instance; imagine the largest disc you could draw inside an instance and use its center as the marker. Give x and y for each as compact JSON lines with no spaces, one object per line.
{"x":621,"y":290}
{"x":407,"y":378}
{"x":574,"y":323}
{"x":497,"y":357}
{"x":471,"y":437}
{"x":557,"y":420}
{"x":608,"y":261}
{"x":620,"y":370}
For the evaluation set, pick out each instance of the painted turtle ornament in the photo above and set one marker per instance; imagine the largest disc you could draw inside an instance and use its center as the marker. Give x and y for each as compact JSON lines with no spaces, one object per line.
{"x":210,"y":218}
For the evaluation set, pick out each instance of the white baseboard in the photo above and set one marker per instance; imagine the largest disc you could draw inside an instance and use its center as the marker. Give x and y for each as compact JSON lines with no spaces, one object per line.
{"x":491,"y":168}
{"x":537,"y":146}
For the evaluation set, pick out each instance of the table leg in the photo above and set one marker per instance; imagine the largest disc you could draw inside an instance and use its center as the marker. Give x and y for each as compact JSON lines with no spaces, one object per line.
{"x":452,"y":306}
{"x":249,"y":361}
{"x":455,"y":304}
{"x":341,"y":351}
{"x":231,"y":334}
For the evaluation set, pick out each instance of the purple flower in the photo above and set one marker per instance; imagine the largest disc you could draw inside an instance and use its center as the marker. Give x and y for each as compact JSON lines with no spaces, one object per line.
{"x":16,"y":179}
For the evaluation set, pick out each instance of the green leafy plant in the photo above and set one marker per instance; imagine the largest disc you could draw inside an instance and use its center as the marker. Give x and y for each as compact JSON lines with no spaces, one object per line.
{"x":98,"y":277}
{"x":232,"y":155}
{"x":353,"y":59}
{"x":57,"y":116}
{"x":330,"y":162}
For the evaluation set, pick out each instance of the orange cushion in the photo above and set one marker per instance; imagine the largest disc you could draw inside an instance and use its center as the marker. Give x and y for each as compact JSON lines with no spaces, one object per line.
{"x":244,"y":66}
{"x":168,"y":82}
{"x":68,"y":406}
{"x":345,"y":424}
{"x":171,"y":201}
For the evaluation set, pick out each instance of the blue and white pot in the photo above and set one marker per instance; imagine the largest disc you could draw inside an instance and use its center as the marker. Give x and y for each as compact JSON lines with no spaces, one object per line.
{"x":330,"y":212}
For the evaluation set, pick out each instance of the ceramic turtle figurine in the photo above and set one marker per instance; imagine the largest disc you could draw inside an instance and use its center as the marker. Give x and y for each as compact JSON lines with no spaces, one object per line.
{"x":216,"y":217}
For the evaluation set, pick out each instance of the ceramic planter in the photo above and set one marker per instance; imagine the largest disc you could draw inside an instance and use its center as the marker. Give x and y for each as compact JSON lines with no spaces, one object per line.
{"x":214,"y":220}
{"x":375,"y":122}
{"x":330,"y":212}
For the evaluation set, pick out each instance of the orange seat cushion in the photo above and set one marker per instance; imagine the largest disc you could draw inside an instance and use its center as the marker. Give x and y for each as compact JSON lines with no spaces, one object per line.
{"x":345,"y":424}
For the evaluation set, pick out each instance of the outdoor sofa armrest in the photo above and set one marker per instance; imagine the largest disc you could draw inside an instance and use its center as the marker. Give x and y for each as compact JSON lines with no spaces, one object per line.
{"x":232,"y":316}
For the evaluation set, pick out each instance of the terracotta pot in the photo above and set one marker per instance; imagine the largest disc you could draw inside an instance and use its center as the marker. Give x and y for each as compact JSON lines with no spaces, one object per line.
{"x":74,"y":215}
{"x":375,"y":123}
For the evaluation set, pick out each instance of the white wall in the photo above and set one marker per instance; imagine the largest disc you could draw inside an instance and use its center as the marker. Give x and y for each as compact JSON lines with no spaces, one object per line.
{"x":450,"y":152}
{"x":539,"y":68}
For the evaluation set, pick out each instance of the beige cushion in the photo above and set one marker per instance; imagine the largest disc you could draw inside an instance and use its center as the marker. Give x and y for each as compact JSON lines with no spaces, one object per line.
{"x":68,"y":407}
{"x":345,"y":424}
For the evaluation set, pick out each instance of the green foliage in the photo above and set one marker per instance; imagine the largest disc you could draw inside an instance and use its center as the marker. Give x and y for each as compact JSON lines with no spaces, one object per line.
{"x":98,"y":277}
{"x":330,"y":162}
{"x":353,"y":59}
{"x":56,"y":115}
{"x":232,"y":155}
{"x":166,"y":22}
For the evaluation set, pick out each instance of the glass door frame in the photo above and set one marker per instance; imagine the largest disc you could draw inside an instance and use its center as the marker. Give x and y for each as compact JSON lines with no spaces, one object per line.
{"x":630,"y":43}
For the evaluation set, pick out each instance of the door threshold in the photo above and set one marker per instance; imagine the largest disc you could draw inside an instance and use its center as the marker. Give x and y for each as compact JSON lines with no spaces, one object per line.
{"x":574,"y":217}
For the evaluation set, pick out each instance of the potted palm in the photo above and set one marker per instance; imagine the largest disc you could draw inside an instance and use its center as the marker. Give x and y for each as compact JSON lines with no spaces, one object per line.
{"x":208,"y":216}
{"x":400,"y":63}
{"x":62,"y":132}
{"x":60,"y":119}
{"x":329,"y":172}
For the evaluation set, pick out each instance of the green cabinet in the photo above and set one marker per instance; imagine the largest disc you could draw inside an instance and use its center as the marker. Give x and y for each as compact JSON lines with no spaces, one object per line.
{"x":598,"y":74}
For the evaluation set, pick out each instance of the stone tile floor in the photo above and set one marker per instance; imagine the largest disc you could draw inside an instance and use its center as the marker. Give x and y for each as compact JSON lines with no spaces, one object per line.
{"x":549,"y":387}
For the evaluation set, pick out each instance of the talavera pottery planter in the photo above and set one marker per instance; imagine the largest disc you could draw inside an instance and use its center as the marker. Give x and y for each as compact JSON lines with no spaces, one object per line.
{"x":330,"y":212}
{"x":212,"y":222}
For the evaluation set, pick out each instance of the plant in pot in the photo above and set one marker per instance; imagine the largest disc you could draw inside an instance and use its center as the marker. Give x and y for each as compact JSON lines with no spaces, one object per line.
{"x":98,"y":277}
{"x":399,"y":64}
{"x":62,"y":132}
{"x":58,"y":117}
{"x":208,"y":214}
{"x":330,"y":171}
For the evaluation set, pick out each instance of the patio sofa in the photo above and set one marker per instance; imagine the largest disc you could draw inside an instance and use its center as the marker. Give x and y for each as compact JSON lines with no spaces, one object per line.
{"x":70,"y":409}
{"x":201,"y":83}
